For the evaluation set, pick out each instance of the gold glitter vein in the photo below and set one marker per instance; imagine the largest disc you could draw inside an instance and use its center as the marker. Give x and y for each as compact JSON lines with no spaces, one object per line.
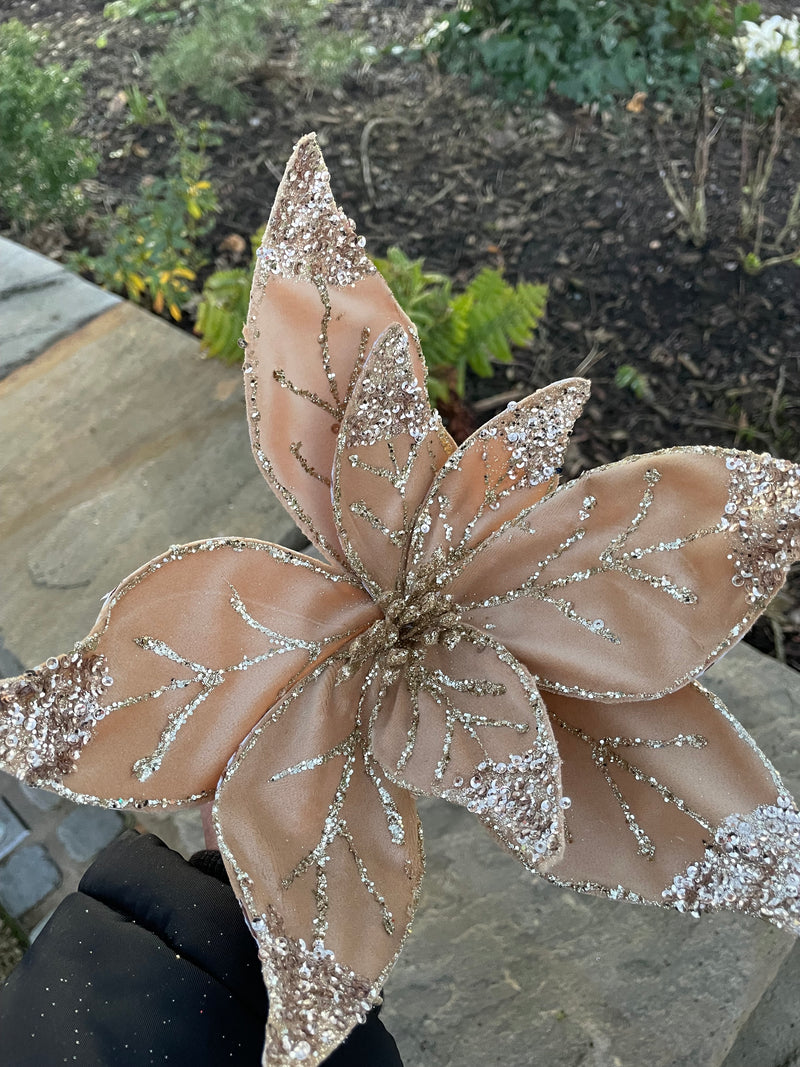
{"x":605,"y":754}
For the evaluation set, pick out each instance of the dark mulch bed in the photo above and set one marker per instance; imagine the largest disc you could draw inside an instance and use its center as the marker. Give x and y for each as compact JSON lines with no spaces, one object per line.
{"x":553,"y":194}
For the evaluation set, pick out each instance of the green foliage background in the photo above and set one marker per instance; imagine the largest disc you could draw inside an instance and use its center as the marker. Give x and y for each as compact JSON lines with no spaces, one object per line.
{"x":588,"y":52}
{"x":228,"y":41}
{"x":42,"y":159}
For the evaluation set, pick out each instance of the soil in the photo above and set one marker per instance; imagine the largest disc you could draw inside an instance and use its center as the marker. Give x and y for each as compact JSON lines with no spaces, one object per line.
{"x":551,"y":193}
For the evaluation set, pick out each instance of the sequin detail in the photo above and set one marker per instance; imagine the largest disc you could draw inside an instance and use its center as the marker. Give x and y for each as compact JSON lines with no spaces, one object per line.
{"x":520,"y":799}
{"x":762,"y":518}
{"x":392,"y":401}
{"x":48,"y":714}
{"x":312,"y":997}
{"x":752,"y":866}
{"x":523,"y":446}
{"x":308,"y":235}
{"x":421,"y":618}
{"x":535,"y":436}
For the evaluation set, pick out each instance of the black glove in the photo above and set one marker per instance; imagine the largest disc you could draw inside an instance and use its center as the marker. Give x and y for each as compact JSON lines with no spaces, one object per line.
{"x":150,"y":962}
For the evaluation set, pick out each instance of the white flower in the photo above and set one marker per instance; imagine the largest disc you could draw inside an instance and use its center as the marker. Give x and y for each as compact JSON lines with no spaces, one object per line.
{"x":774,"y":38}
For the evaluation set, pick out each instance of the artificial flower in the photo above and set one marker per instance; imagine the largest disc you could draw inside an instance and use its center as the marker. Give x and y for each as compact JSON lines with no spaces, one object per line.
{"x":475,"y":633}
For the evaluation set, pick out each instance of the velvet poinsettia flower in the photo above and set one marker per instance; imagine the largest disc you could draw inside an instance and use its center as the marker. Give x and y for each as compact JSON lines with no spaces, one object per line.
{"x":475,"y":633}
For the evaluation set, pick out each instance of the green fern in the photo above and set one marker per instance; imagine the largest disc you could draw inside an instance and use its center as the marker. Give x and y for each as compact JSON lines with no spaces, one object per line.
{"x":471,"y":330}
{"x":221,"y":312}
{"x":223,"y":308}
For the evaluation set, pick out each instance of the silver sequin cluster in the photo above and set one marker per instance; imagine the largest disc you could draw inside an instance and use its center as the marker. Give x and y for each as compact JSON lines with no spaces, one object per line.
{"x":48,"y":714}
{"x":537,"y":436}
{"x":393,"y":401}
{"x":309,"y":236}
{"x":519,"y":800}
{"x":762,"y":517}
{"x":752,"y":866}
{"x":312,"y":998}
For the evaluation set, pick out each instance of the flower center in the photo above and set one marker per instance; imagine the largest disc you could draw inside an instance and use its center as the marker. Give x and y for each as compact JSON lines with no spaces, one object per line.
{"x":425,"y":617}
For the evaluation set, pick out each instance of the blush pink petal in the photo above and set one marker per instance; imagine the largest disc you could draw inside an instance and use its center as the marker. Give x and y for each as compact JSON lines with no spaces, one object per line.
{"x":630,"y":580}
{"x":317,"y":306}
{"x":327,"y":857}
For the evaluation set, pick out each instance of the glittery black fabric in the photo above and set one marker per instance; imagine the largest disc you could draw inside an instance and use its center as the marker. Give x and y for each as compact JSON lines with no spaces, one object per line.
{"x":150,"y":962}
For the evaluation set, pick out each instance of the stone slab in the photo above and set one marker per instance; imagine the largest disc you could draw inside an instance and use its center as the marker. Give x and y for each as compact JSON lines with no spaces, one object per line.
{"x":26,"y":878}
{"x":85,"y":831}
{"x":114,"y":444}
{"x":23,"y":269}
{"x":40,"y":798}
{"x":12,"y":830}
{"x":44,"y":814}
{"x":771,"y":1036}
{"x":502,"y":968}
{"x":40,"y":301}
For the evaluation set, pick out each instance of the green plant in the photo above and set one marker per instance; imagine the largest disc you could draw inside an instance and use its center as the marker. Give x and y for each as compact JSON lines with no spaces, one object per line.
{"x":229,"y":41}
{"x":628,"y":377}
{"x":151,"y":244}
{"x":222,"y":309}
{"x":221,"y":313}
{"x":42,"y":159}
{"x":146,"y":10}
{"x":784,"y":245}
{"x":467,"y":330}
{"x":589,"y":52}
{"x":146,"y":110}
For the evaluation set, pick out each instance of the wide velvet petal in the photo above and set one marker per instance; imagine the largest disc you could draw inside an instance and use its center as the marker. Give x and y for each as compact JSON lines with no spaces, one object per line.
{"x":326,"y":858}
{"x":317,"y":305}
{"x":466,"y":723}
{"x":391,"y":446}
{"x":187,"y":655}
{"x":674,"y":804}
{"x":628,"y":581}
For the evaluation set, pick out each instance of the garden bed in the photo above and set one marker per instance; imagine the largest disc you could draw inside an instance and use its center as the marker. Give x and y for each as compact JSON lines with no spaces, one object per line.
{"x":555,"y":194}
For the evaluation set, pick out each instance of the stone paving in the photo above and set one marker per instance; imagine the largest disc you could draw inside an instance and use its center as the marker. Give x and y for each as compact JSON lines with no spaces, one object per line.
{"x":117,"y":440}
{"x":40,"y":302}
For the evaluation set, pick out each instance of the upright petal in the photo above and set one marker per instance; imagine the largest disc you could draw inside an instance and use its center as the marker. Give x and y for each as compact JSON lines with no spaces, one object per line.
{"x":464,"y":721}
{"x":186,"y":656}
{"x":673,"y":804}
{"x":327,"y":861}
{"x":508,"y":465}
{"x":390,"y":447}
{"x":630,"y":580}
{"x":317,"y":306}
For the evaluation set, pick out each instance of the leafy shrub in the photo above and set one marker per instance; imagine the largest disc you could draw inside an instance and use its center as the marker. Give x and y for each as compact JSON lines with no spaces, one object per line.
{"x":223,"y":309}
{"x":589,"y":52}
{"x":228,"y":41}
{"x":146,"y":10}
{"x":768,"y":71}
{"x":468,"y":330}
{"x":151,"y":244}
{"x":42,"y":160}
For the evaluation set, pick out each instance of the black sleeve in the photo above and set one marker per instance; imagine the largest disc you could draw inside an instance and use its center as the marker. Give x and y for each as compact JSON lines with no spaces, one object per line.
{"x":150,"y":962}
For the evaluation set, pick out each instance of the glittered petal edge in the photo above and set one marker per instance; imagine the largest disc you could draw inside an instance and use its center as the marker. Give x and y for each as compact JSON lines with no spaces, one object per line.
{"x":52,"y":715}
{"x":684,"y":843}
{"x":309,"y":961}
{"x":691,"y":542}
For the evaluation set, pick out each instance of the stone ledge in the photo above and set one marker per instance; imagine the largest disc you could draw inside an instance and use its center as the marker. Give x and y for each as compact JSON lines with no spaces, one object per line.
{"x":40,"y":301}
